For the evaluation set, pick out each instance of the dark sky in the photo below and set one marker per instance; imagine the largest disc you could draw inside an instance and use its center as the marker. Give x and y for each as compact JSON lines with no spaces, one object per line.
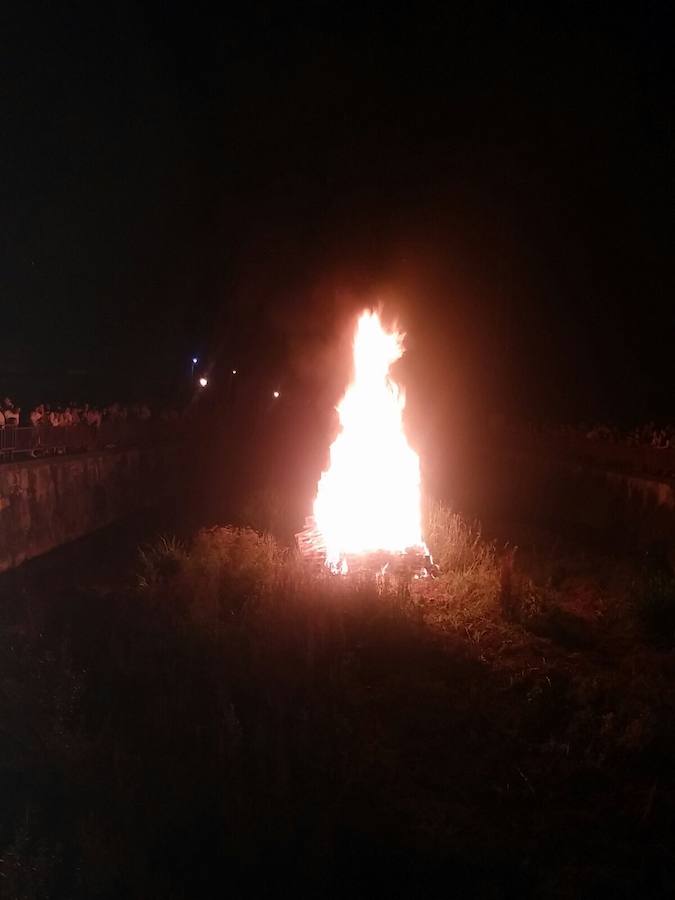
{"x":234,"y":181}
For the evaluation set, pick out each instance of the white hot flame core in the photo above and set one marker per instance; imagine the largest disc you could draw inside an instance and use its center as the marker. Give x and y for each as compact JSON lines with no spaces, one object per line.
{"x":369,"y":499}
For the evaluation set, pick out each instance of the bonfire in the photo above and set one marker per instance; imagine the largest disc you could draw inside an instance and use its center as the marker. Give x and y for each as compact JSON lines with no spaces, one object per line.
{"x":367,"y":511}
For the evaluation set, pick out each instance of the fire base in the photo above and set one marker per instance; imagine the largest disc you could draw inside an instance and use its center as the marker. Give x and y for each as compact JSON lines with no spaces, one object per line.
{"x":409,"y":564}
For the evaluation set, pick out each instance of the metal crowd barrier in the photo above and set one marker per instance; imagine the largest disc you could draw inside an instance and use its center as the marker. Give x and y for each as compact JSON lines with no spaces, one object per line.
{"x":45,"y":440}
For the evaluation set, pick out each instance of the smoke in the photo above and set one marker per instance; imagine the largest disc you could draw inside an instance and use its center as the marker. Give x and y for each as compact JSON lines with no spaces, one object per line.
{"x":317,"y":330}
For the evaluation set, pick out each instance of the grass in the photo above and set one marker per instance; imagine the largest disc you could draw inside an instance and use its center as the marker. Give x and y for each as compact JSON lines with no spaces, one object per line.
{"x":467,"y":592}
{"x":234,"y":724}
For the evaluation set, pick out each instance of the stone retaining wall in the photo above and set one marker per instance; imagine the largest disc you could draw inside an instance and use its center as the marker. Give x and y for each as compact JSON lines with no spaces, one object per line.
{"x":45,"y":503}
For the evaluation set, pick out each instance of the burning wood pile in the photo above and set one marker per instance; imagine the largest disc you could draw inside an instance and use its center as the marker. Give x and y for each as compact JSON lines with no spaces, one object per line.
{"x":367,"y":511}
{"x":415,"y":562}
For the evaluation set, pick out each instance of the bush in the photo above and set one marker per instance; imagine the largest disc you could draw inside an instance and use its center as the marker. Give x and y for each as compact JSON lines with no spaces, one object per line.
{"x":240,"y":555}
{"x":468,"y":584}
{"x":159,"y":561}
{"x":227,"y":569}
{"x":222,"y":570}
{"x":454,"y":545}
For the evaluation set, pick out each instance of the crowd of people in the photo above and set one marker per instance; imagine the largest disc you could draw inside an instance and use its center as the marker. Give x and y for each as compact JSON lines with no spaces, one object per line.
{"x":64,"y":415}
{"x":647,"y":435}
{"x":661,"y":437}
{"x":76,"y":427}
{"x":650,"y":434}
{"x":75,"y":414}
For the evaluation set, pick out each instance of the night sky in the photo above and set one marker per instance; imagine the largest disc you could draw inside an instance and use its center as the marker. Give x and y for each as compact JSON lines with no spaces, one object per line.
{"x":234,"y":183}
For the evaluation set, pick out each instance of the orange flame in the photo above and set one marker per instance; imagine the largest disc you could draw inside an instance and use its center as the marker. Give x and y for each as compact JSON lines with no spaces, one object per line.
{"x":369,"y":499}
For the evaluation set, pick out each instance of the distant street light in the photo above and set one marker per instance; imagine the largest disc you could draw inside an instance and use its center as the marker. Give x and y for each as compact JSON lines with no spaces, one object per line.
{"x":195,"y":360}
{"x":276,"y":395}
{"x":203,"y":382}
{"x":234,"y":371}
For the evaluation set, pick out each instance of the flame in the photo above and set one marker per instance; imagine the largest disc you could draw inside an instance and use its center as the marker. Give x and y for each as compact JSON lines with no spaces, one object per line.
{"x":369,"y":499}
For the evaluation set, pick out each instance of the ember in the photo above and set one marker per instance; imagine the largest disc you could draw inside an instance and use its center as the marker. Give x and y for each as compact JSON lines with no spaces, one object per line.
{"x":367,"y":511}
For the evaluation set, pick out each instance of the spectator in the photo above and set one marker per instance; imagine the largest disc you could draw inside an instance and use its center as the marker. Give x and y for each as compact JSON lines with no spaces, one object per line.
{"x":93,"y":417}
{"x":37,"y":415}
{"x":11,"y":413}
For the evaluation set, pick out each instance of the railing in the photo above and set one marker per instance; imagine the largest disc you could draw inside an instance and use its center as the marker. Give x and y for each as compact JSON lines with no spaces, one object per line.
{"x":47,"y":440}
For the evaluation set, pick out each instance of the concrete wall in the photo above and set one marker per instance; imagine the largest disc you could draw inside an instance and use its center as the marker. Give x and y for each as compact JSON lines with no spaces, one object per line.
{"x":627,"y":510}
{"x":47,"y":502}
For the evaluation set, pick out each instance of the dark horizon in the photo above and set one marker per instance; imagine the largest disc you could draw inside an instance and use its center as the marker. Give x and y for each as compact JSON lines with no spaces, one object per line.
{"x":234,"y":186}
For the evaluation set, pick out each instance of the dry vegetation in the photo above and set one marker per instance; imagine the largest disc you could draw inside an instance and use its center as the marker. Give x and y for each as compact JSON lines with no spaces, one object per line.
{"x":235,"y":724}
